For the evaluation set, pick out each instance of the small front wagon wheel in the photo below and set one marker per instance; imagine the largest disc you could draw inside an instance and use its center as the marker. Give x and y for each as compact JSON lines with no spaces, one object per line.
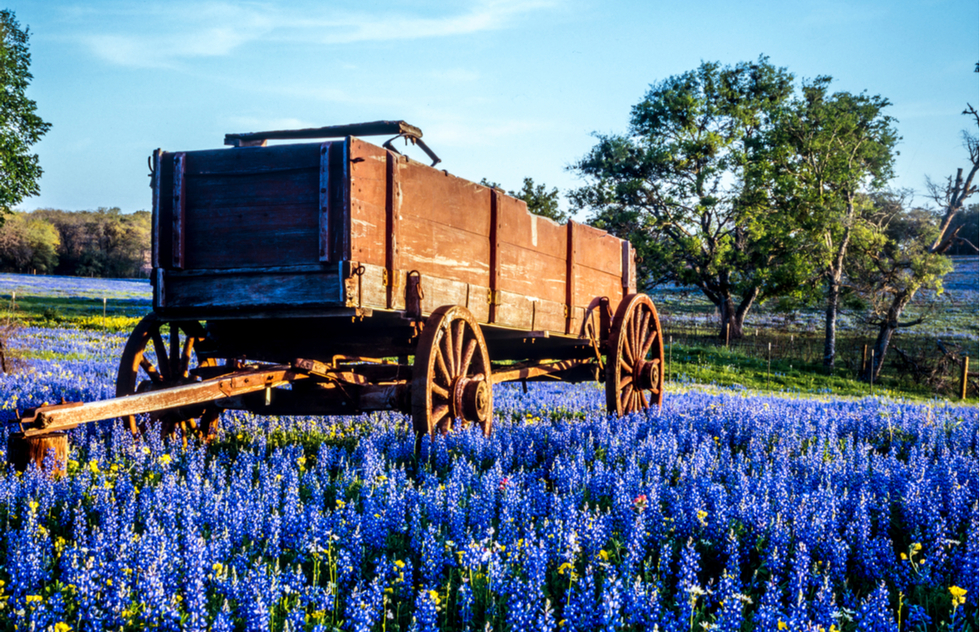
{"x":636,"y":354}
{"x":160,"y":354}
{"x":451,"y":377}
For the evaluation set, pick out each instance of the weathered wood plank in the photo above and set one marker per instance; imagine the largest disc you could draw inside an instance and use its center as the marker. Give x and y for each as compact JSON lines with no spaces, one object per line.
{"x":592,"y":283}
{"x":522,"y":228}
{"x":438,"y":250}
{"x":598,"y":249}
{"x":522,"y":312}
{"x":155,"y":236}
{"x":368,"y":202}
{"x":570,"y":269}
{"x":440,"y":197}
{"x":246,"y":291}
{"x":532,"y":273}
{"x":324,"y":209}
{"x":179,"y":224}
{"x":392,"y":203}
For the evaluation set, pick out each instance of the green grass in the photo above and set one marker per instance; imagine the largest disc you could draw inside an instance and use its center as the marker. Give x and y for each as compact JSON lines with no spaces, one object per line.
{"x":716,"y":365}
{"x":78,"y":313}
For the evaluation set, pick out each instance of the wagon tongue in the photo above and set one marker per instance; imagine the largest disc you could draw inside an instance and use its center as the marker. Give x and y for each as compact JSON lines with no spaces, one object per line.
{"x":45,"y":420}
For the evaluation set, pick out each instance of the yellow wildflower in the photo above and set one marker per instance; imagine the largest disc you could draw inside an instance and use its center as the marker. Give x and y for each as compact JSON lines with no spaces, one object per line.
{"x":959,"y":596}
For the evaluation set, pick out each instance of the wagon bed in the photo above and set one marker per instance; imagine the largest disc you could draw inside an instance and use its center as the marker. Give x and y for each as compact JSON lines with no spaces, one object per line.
{"x":308,"y":264}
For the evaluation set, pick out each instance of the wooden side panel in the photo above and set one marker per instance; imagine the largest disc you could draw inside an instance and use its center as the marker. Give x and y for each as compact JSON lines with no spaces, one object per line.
{"x":532,"y":252}
{"x":599,"y":250}
{"x":155,"y":241}
{"x":324,"y":210}
{"x":368,"y":194}
{"x":252,"y":207}
{"x":242,"y":290}
{"x":163,"y":236}
{"x":179,"y":225}
{"x":598,"y":266}
{"x":443,"y":225}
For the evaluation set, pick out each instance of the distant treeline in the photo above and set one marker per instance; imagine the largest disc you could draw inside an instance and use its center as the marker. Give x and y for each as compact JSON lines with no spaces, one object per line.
{"x":100,"y":243}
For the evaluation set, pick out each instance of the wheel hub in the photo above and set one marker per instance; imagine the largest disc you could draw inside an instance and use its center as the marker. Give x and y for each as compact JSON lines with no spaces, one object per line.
{"x":647,"y":375}
{"x":470,"y":399}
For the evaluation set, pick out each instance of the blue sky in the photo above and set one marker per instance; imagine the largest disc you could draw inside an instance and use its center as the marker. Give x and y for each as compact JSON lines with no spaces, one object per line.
{"x":502,"y":89}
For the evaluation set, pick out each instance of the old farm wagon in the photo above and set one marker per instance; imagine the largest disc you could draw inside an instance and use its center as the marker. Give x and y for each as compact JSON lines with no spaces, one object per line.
{"x":339,"y":277}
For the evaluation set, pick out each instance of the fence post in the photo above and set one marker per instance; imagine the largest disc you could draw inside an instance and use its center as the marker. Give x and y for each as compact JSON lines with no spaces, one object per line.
{"x":768,"y":364}
{"x":728,"y":333}
{"x":963,"y":378}
{"x":864,"y":361}
{"x":871,"y":371}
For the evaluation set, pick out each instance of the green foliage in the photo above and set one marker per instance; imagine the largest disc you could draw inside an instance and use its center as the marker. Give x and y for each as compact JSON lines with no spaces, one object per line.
{"x":101,"y":243}
{"x":676,"y":186}
{"x":28,"y":244}
{"x":20,"y":126}
{"x":539,"y":200}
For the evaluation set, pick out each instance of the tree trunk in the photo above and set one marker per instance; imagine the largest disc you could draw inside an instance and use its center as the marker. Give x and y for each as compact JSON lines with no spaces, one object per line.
{"x":885,"y":330}
{"x":731,"y":324}
{"x":830,"y":331}
{"x":733,"y":317}
{"x":834,"y":274}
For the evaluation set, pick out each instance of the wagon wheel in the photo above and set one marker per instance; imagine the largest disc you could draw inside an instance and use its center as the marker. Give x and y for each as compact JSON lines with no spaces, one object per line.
{"x":635,"y":361}
{"x":153,"y":360}
{"x":451,"y":374}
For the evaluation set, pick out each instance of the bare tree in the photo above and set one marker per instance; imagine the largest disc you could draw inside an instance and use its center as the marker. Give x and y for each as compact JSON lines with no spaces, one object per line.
{"x":951,"y":195}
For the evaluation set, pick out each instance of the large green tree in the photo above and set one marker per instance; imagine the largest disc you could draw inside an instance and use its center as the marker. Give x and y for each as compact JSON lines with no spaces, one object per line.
{"x":829,"y":149}
{"x":676,"y":185}
{"x":891,"y":266}
{"x":20,"y":125}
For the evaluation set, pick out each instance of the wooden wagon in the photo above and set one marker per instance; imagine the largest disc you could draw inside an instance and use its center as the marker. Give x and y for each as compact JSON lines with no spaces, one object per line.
{"x":339,"y":277}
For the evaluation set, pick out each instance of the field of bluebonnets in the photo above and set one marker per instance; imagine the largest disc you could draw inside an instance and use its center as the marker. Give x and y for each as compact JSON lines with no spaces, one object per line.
{"x":724,"y":511}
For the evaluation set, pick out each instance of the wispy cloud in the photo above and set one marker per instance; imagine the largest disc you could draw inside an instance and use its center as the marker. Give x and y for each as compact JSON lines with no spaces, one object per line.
{"x":164,"y":35}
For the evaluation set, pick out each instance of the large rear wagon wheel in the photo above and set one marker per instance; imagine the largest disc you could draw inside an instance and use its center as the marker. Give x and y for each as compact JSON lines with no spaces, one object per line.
{"x":160,"y":354}
{"x":635,"y":362}
{"x":451,"y":375}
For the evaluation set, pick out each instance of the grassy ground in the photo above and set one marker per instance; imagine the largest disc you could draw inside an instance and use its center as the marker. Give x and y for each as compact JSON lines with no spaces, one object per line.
{"x":719,"y":366}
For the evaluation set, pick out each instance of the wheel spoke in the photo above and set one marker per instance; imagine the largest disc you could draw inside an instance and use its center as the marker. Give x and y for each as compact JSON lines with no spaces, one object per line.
{"x":635,"y":335}
{"x":458,"y":347}
{"x":185,"y":357}
{"x":623,"y":382}
{"x":643,"y":400}
{"x":174,"y":352}
{"x":624,"y":366}
{"x":440,"y":391}
{"x":468,"y":357}
{"x":650,"y":337}
{"x":449,"y":353}
{"x":438,"y":413}
{"x":641,"y":334}
{"x":443,"y":369}
{"x":162,"y":358}
{"x":625,"y":396}
{"x":150,"y":370}
{"x":627,"y":351}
